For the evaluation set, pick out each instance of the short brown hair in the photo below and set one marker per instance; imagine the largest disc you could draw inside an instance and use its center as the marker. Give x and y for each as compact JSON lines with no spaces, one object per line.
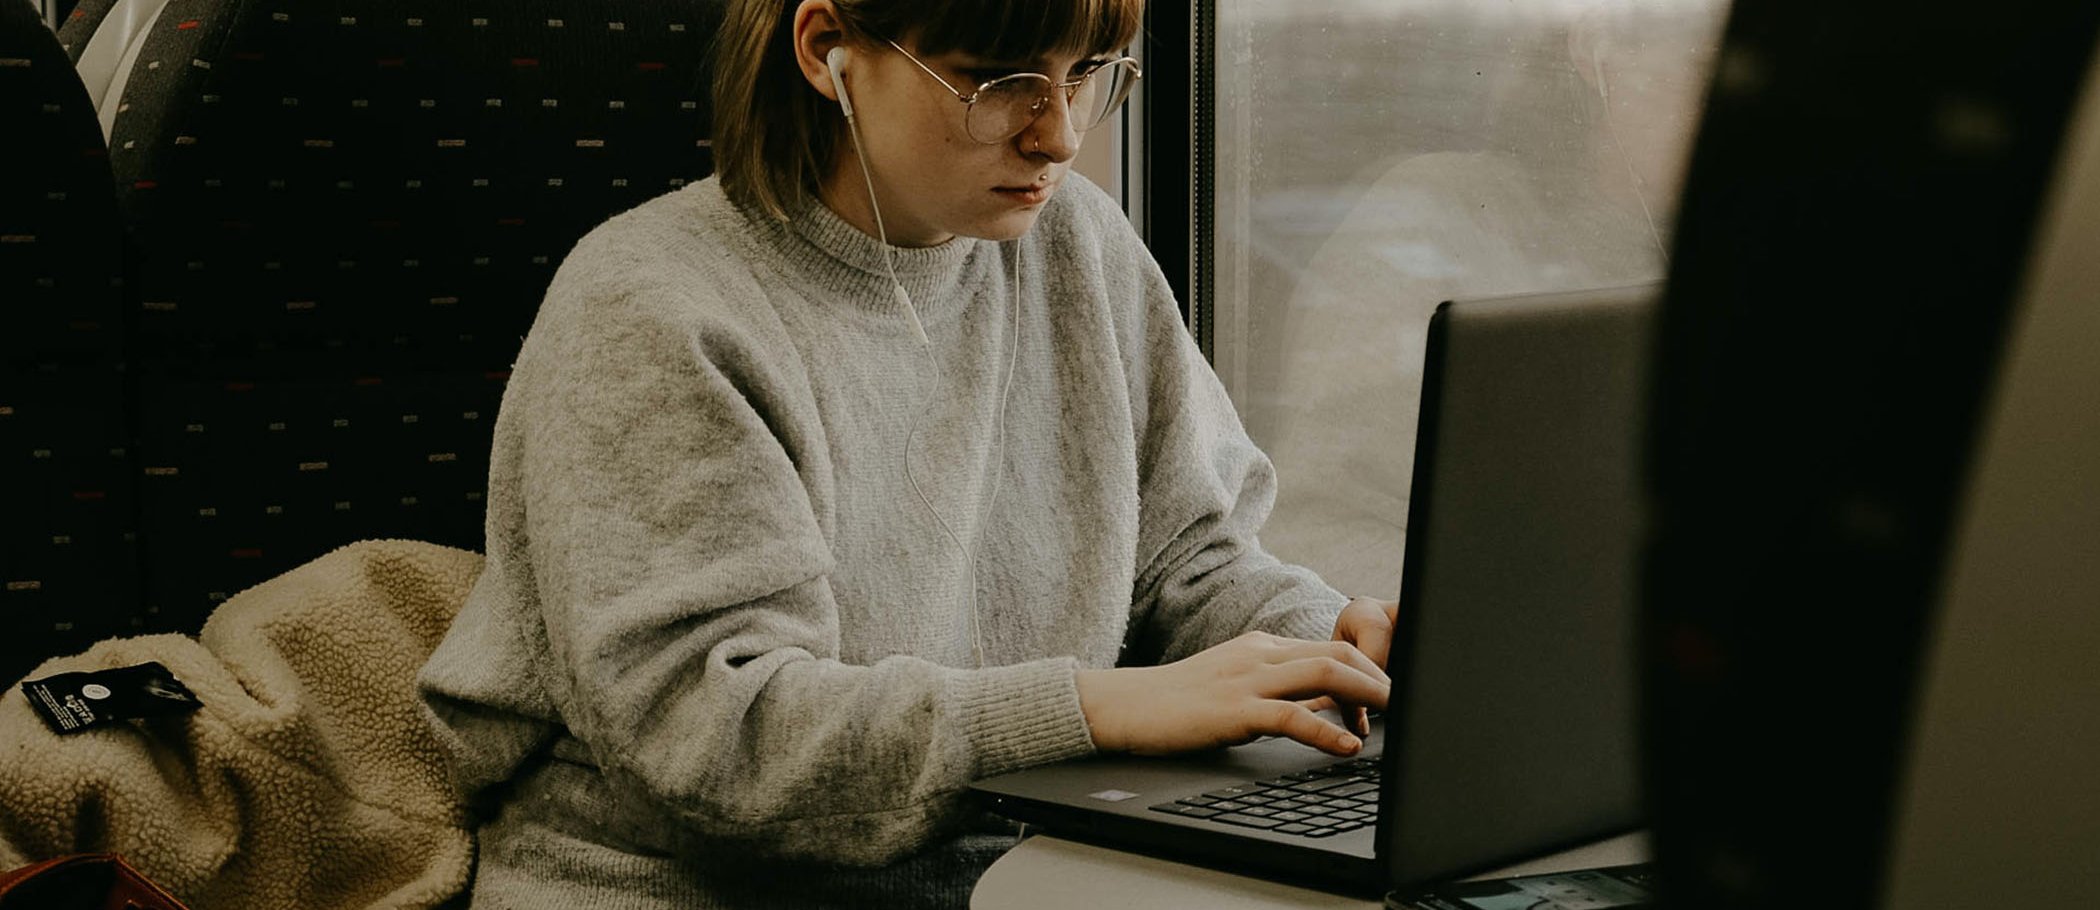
{"x":774,"y":135}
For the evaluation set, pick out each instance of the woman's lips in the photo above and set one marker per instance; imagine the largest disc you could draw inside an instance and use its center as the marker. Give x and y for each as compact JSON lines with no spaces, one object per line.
{"x":1033,"y":194}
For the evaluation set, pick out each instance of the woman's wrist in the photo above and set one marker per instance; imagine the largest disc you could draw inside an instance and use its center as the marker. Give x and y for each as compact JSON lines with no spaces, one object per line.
{"x":1096,"y":704}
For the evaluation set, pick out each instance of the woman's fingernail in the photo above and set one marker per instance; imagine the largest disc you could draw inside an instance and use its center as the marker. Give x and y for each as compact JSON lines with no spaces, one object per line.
{"x":1350,"y":743}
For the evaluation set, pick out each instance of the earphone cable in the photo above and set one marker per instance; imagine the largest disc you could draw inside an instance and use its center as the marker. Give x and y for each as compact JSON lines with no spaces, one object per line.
{"x":940,"y":385}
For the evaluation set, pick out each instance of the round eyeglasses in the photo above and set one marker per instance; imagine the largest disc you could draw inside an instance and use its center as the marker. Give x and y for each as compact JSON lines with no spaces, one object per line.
{"x":1000,"y":109}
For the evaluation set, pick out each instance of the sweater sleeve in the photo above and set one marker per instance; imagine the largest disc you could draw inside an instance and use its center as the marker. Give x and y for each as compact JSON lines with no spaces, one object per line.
{"x":681,"y":574}
{"x":1205,"y":489}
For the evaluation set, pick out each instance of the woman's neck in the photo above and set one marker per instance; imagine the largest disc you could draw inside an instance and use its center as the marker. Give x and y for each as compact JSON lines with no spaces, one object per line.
{"x":845,"y":192}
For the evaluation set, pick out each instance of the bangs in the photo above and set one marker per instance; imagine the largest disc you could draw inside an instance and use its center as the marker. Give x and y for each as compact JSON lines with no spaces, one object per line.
{"x":1014,"y":30}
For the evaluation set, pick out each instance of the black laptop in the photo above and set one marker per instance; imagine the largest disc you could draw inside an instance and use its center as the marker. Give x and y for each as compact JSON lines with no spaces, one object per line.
{"x":1510,"y":731}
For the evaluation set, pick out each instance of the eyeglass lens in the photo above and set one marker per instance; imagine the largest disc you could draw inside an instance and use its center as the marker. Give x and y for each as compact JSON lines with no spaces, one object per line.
{"x":1008,"y":105}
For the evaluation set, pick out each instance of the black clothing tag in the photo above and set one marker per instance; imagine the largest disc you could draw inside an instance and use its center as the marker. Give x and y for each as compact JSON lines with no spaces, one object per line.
{"x":72,"y":702}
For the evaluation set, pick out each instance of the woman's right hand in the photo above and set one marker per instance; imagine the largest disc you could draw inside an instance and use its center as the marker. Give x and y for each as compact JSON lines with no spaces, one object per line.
{"x":1234,"y":693}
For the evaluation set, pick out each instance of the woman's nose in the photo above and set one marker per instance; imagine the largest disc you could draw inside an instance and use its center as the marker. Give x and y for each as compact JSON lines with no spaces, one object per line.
{"x":1051,"y":135}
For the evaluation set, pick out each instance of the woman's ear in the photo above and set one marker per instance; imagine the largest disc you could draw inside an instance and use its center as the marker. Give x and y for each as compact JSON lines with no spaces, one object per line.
{"x":817,"y":31}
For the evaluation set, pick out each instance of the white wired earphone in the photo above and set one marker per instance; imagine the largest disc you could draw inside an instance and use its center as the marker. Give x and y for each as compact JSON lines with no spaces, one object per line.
{"x":835,"y":62}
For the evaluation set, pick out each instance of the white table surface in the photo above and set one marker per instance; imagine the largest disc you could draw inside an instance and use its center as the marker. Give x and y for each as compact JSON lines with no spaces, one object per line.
{"x":1045,"y":872}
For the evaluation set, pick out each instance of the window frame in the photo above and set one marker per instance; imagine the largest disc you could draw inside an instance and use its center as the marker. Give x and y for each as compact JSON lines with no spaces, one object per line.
{"x":1175,"y":155}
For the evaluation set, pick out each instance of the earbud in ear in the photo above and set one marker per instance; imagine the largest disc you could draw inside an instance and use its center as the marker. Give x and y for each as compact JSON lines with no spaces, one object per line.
{"x":836,"y":63}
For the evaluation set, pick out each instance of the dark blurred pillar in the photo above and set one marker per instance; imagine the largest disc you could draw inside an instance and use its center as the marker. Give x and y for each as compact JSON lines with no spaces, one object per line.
{"x":1854,"y":230}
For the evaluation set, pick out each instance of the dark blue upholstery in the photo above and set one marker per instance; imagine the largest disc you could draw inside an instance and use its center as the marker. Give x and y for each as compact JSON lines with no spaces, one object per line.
{"x":68,"y":559}
{"x":344,"y":214}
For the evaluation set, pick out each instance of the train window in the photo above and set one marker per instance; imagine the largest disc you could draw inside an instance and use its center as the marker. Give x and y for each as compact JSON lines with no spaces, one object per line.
{"x":1373,"y":159}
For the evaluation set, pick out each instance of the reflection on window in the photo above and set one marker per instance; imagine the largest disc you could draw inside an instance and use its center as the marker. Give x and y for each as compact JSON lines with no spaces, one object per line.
{"x":1375,"y":158}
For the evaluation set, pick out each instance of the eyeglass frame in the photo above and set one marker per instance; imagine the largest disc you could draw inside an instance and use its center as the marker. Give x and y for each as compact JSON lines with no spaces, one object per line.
{"x":1041,"y":103}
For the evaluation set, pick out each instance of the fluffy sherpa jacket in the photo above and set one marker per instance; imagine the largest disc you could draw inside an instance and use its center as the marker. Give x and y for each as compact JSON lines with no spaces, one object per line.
{"x":307,"y":780}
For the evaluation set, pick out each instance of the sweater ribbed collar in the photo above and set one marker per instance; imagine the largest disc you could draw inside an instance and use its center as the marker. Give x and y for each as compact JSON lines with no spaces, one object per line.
{"x":916,"y":266}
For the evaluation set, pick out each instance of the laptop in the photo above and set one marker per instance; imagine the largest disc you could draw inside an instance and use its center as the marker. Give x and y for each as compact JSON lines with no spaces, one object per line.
{"x":1510,"y":731}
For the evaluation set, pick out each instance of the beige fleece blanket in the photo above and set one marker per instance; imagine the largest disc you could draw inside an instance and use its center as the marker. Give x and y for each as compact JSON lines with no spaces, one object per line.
{"x":307,"y":780}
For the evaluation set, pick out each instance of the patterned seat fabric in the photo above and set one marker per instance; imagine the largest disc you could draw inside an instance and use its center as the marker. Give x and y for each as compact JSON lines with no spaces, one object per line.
{"x":68,"y":560}
{"x":346,"y":212}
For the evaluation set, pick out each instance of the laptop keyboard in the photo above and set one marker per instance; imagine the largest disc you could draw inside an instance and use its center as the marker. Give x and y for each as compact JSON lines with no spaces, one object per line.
{"x":1321,"y":802}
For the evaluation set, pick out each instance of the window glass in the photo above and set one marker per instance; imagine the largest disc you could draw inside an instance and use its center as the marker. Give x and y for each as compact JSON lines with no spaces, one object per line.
{"x":1375,"y":158}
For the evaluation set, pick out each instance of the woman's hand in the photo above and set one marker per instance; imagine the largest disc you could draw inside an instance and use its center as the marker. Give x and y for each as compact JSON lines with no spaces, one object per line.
{"x":1366,"y":623}
{"x":1252,"y":686}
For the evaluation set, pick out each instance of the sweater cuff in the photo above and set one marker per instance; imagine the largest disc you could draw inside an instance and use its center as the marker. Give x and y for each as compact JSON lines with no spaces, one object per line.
{"x":1023,"y":715}
{"x":1312,"y":620}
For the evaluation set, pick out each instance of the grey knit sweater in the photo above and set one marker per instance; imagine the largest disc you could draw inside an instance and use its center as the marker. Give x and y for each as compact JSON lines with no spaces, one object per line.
{"x":723,"y":653}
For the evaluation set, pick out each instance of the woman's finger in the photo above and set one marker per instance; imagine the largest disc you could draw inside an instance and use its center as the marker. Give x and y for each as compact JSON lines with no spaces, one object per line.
{"x":1357,"y":717}
{"x":1312,"y":677}
{"x":1339,"y":651}
{"x":1317,"y":705}
{"x":1355,"y":657}
{"x":1290,"y":719}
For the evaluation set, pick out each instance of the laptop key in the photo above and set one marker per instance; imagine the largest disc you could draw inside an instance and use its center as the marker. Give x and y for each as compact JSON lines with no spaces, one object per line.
{"x":1250,"y":821}
{"x":1314,"y":803}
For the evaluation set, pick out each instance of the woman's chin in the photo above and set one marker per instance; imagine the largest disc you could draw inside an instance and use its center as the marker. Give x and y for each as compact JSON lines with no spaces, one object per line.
{"x":1006,"y":226}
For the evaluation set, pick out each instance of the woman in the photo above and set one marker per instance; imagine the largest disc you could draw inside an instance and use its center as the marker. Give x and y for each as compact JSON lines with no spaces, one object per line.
{"x":820,"y":491}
